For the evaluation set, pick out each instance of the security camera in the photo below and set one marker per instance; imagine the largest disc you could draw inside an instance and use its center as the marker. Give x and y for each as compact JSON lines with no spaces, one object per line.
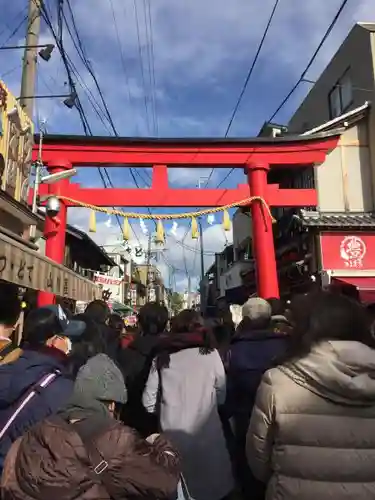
{"x":52,"y":206}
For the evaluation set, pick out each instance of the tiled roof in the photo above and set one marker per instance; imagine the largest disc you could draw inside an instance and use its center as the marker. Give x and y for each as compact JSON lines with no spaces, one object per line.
{"x":337,"y":220}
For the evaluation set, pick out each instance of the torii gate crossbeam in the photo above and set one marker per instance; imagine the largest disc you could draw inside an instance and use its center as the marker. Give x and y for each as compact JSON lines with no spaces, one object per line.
{"x":255,"y":155}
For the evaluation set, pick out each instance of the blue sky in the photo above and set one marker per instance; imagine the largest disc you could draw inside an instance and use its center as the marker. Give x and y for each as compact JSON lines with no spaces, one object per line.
{"x":202,"y":51}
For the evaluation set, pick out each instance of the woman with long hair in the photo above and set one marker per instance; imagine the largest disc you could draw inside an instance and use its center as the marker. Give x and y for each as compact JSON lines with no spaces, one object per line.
{"x":91,"y":343}
{"x":312,"y":430}
{"x":185,"y":387}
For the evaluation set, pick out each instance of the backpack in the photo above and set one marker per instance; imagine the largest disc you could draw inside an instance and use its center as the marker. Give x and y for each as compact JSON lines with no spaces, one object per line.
{"x":99,"y":466}
{"x":9,"y":353}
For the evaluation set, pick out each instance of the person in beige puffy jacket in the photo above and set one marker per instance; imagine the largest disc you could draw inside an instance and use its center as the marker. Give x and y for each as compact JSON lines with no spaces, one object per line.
{"x":312,"y":430}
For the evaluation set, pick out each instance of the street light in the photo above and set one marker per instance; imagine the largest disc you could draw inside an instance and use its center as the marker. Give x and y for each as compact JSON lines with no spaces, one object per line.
{"x":59,"y":176}
{"x":69,"y":101}
{"x":45,"y":52}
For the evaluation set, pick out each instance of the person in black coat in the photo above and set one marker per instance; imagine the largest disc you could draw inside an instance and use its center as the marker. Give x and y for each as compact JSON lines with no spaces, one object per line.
{"x":254,"y":349}
{"x":135,"y":362}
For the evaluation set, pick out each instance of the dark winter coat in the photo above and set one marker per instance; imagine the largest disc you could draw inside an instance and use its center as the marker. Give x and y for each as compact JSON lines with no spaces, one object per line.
{"x":251,"y":354}
{"x":15,"y":381}
{"x":135,"y":362}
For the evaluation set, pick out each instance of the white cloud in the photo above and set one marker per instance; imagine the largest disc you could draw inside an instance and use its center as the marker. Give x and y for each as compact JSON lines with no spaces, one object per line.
{"x":174,"y":255}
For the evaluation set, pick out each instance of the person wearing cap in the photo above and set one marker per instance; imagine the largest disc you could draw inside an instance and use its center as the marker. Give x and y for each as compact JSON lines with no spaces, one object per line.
{"x":84,"y":452}
{"x":254,"y":348}
{"x":48,"y":336}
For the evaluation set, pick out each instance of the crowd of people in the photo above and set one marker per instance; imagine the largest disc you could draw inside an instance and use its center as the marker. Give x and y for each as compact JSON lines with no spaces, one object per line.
{"x":280,"y":408}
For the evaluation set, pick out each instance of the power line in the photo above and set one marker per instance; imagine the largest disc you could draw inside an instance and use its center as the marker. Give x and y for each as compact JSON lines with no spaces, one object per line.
{"x":68,"y":63}
{"x":88,"y":66}
{"x":252,"y":67}
{"x":303,"y":75}
{"x":247,"y":79}
{"x":84,"y":121}
{"x":122,"y":55}
{"x":15,"y":31}
{"x":151,"y":69}
{"x":10,"y":71}
{"x":311,"y":61}
{"x":152,"y":53}
{"x":141,"y":63}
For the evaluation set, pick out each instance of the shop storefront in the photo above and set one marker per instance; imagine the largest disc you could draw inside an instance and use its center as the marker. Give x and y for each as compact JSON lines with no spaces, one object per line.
{"x":25,"y":267}
{"x":348,"y":263}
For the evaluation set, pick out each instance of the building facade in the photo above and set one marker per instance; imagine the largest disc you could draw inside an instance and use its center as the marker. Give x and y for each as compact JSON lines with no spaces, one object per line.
{"x":21,"y":262}
{"x":329,"y":245}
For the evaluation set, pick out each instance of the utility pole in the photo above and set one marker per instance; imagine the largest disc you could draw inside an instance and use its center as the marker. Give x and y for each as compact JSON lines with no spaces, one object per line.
{"x":202,"y":287}
{"x":189,"y":293}
{"x":29,"y":65}
{"x":148,"y":266}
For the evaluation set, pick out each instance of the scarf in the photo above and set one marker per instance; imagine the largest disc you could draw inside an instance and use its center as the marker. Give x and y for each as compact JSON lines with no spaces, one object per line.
{"x":175,"y":342}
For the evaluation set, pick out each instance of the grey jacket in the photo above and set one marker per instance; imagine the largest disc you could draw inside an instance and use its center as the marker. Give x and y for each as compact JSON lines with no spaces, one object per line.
{"x":312,"y":431}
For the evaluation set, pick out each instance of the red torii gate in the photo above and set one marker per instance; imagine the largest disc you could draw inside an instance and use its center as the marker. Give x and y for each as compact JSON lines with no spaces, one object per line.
{"x":255,"y":155}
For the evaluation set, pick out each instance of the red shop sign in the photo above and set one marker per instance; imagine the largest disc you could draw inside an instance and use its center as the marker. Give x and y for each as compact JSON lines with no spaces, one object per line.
{"x":348,"y":250}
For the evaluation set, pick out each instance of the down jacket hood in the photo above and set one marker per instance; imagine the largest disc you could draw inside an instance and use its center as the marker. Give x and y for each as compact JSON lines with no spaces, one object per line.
{"x":340,"y":371}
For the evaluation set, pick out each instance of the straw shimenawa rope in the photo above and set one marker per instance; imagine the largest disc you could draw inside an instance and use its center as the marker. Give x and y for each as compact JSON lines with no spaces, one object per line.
{"x":187,"y":215}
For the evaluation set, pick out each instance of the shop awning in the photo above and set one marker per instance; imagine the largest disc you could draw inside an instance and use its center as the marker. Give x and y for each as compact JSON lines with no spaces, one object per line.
{"x":118,"y":307}
{"x":25,"y":267}
{"x":364,"y":284}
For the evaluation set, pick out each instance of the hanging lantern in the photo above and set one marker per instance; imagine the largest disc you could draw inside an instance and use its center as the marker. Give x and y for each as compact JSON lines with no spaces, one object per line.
{"x":159,"y":233}
{"x":126,"y":230}
{"x":194,"y":229}
{"x":226,"y":221}
{"x":92,"y":222}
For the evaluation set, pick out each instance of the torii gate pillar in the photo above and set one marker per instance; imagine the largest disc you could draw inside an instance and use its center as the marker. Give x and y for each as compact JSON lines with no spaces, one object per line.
{"x":55,"y":228}
{"x":262,"y":234}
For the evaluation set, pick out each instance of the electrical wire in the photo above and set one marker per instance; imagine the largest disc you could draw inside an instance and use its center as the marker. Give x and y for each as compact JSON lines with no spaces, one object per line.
{"x":85,"y":124}
{"x":85,"y":61}
{"x":247,"y":79}
{"x":14,"y":32}
{"x":14,"y":19}
{"x":10,"y":71}
{"x":303,"y":74}
{"x":140,"y":54}
{"x":82,"y":55}
{"x":67,"y":63}
{"x":311,"y":61}
{"x":152,"y":53}
{"x":150,"y":63}
{"x":122,"y":59}
{"x":252,"y":67}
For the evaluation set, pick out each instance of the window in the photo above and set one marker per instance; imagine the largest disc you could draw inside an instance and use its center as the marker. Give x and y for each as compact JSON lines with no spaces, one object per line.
{"x":341,"y":96}
{"x":346,"y":91}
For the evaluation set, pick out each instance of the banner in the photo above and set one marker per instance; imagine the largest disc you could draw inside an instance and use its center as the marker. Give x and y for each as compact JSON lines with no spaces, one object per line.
{"x":112,"y":287}
{"x":355,"y":251}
